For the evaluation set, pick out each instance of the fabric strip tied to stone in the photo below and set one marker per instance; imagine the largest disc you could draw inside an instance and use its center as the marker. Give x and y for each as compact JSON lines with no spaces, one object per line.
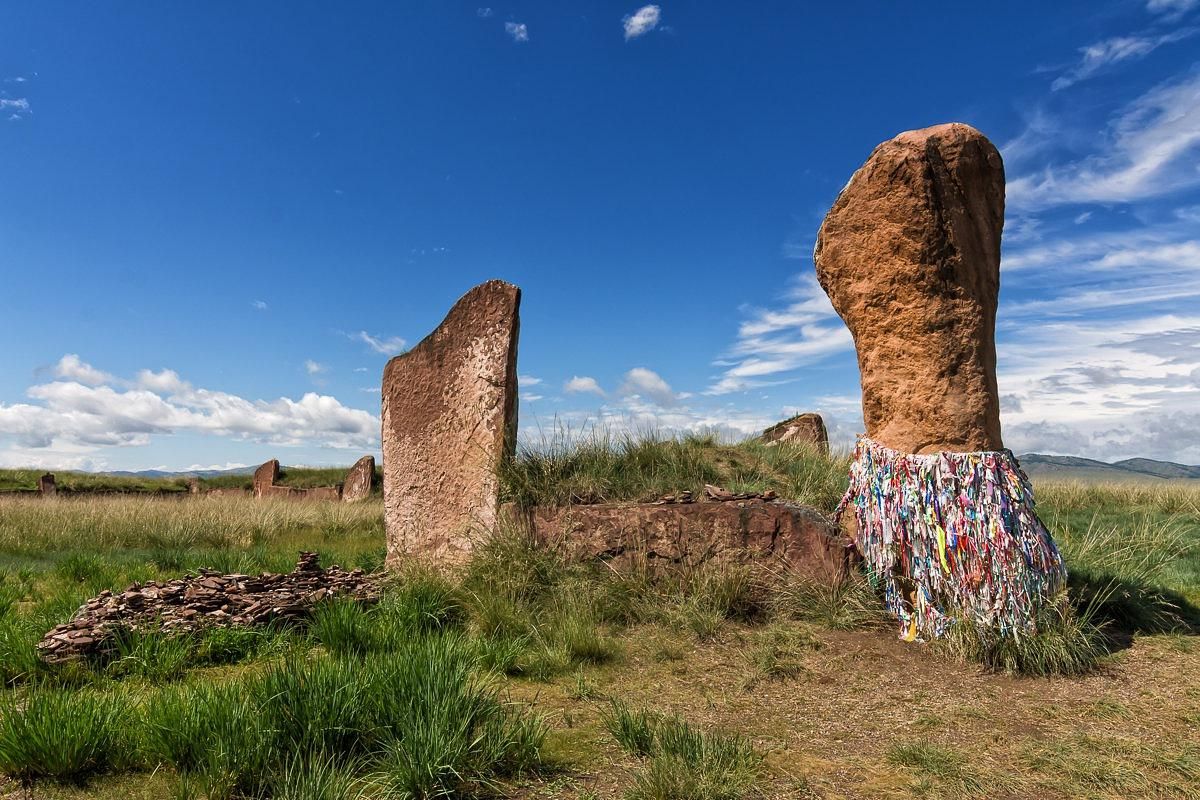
{"x":952,"y":535}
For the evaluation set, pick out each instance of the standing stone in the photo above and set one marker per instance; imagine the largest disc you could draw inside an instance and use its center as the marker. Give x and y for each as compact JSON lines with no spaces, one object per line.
{"x":193,"y":486}
{"x":46,"y":485}
{"x":910,"y":256}
{"x":806,"y":429}
{"x":265,"y":477}
{"x":359,"y":480}
{"x":449,"y":417}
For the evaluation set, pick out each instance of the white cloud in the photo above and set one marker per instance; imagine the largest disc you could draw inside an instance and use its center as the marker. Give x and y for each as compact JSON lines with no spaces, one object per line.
{"x":387,"y":346}
{"x":1149,"y":149}
{"x":582,"y":385}
{"x":771,"y":342}
{"x":72,"y":367}
{"x":642,"y":21}
{"x":528,"y":380}
{"x":166,"y":381}
{"x":1098,"y":56}
{"x":1082,"y":218}
{"x":259,"y":305}
{"x":1089,"y":387}
{"x":483,"y":12}
{"x":647,"y":384}
{"x":67,"y":420}
{"x":16,"y":108}
{"x":517,"y":30}
{"x":1171,"y":9}
{"x":313,"y":367}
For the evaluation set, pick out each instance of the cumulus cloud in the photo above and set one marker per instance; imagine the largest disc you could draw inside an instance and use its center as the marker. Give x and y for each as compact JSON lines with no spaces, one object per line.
{"x":517,"y":30}
{"x":72,"y":367}
{"x":387,"y":346}
{"x":645,"y":383}
{"x":77,"y":414}
{"x":582,"y":385}
{"x":313,"y":367}
{"x":642,"y":21}
{"x":1103,"y":54}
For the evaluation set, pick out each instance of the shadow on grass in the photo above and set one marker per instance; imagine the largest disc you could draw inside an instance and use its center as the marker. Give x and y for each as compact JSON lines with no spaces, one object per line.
{"x":1124,"y":608}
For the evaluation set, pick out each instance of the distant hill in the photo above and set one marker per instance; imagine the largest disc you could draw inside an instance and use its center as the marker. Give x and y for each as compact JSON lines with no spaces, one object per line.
{"x":199,"y":473}
{"x":1131,"y":469}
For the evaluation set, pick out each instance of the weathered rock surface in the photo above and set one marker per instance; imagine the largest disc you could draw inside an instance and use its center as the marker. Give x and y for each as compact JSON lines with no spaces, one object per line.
{"x":806,"y":429}
{"x":265,"y":477}
{"x":690,"y":534}
{"x":449,"y":416}
{"x":210,"y":599}
{"x":910,"y":256}
{"x":46,"y":485}
{"x":359,"y":480}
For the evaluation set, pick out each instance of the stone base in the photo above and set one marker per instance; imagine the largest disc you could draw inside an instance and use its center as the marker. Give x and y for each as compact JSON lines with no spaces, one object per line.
{"x":692,"y":534}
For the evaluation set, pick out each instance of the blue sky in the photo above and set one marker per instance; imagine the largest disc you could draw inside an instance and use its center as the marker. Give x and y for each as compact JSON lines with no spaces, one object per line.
{"x":218,"y":220}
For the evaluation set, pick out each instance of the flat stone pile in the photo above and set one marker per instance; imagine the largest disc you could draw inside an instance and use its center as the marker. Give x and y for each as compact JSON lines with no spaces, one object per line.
{"x":194,"y":602}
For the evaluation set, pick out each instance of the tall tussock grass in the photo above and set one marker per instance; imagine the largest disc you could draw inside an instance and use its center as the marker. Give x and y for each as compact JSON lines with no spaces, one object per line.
{"x":680,"y":760}
{"x":599,"y":467}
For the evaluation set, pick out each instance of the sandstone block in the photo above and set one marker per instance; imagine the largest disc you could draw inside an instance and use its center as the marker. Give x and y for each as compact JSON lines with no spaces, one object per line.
{"x":265,"y":477}
{"x":807,"y":429}
{"x":359,"y":480}
{"x":910,"y":256}
{"x":449,"y":416}
{"x":692,"y":534}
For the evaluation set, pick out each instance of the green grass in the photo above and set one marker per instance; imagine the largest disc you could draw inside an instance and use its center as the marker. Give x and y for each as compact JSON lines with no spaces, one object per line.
{"x":682,"y":762}
{"x":100,"y":483}
{"x":598,"y":467}
{"x":425,"y":693}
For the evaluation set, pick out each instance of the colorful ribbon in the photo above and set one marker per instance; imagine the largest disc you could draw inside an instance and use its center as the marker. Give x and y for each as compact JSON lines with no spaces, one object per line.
{"x":952,"y":535}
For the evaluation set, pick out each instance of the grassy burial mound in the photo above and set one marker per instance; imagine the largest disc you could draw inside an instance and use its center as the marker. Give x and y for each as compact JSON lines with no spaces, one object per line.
{"x":526,"y":676}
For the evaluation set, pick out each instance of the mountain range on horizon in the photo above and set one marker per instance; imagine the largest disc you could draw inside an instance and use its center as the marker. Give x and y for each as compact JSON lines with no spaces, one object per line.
{"x":1036,"y":465}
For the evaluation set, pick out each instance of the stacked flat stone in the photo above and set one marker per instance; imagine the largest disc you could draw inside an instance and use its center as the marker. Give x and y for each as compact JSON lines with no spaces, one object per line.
{"x":195,"y":602}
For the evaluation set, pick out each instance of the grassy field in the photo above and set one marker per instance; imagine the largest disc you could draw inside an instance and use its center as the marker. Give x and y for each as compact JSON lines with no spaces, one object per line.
{"x":100,"y":483}
{"x":530,"y":678}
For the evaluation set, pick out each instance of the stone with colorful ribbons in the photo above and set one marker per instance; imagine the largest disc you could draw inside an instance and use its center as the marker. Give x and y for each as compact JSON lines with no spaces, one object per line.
{"x":910,"y":258}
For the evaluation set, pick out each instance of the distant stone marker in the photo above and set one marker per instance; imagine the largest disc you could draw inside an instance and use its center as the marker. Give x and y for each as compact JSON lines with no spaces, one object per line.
{"x":359,"y":480}
{"x":265,"y":477}
{"x":808,"y":429}
{"x":46,"y":485}
{"x":449,"y":416}
{"x":910,"y":256}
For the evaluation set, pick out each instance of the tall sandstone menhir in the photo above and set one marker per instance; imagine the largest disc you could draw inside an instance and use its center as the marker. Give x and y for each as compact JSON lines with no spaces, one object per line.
{"x":910,"y":256}
{"x":449,"y":416}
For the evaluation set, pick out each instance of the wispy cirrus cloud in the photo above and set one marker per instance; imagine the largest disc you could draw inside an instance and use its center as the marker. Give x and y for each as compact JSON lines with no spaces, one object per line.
{"x":773,"y":342}
{"x":1097,"y":57}
{"x":384,"y":345}
{"x":15,"y":108}
{"x":1171,"y":10}
{"x":1149,"y":149}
